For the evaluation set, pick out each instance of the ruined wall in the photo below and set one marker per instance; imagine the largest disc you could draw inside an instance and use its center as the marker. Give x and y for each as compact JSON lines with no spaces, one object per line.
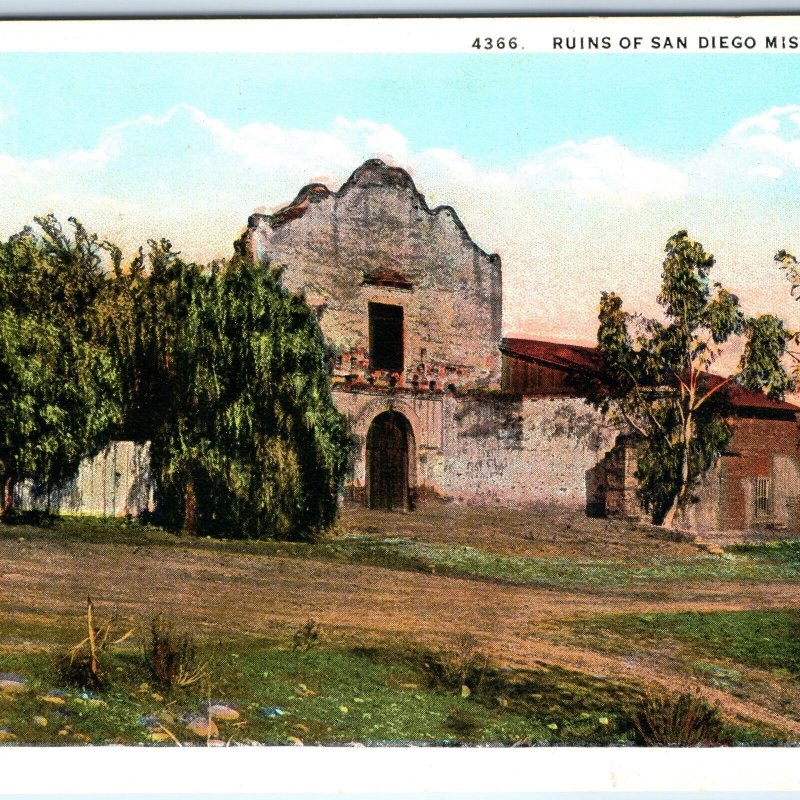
{"x":488,"y":449}
{"x":376,"y":240}
{"x":767,"y":448}
{"x":116,"y":482}
{"x":725,"y":498}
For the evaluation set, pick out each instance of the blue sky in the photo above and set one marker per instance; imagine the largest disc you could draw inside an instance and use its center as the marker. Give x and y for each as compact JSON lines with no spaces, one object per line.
{"x":493,"y":111}
{"x":575,"y":168}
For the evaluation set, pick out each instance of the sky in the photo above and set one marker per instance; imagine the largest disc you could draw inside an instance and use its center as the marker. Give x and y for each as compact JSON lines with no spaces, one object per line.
{"x":575,"y":168}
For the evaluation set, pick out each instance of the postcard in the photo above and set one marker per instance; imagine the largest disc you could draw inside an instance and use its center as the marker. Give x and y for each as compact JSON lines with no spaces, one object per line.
{"x":400,"y":392}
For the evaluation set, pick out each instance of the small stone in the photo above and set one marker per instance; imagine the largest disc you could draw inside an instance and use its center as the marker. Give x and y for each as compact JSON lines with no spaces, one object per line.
{"x":215,"y":743}
{"x":63,"y":732}
{"x":40,"y":722}
{"x":603,"y":720}
{"x":203,"y":727}
{"x":223,"y":711}
{"x":6,"y":735}
{"x":553,"y":726}
{"x":271,"y":712}
{"x":295,"y":741}
{"x":158,"y":736}
{"x":343,"y":709}
{"x":465,"y":691}
{"x":12,"y":683}
{"x":54,"y":699}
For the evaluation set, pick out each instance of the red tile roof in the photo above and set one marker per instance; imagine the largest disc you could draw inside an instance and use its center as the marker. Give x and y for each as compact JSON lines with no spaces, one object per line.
{"x":742,"y":398}
{"x":588,"y":360}
{"x":572,"y":357}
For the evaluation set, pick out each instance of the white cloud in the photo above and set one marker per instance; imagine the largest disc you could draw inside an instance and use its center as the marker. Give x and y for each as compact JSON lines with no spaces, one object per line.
{"x":603,"y":168}
{"x":569,"y":221}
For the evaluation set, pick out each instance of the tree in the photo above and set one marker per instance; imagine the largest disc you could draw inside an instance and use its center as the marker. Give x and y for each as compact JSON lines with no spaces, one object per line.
{"x":227,"y":377}
{"x":59,"y":390}
{"x":657,"y":379}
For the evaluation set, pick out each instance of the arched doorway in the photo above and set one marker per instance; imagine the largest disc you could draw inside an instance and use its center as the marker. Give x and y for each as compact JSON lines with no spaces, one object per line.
{"x":387,"y":462}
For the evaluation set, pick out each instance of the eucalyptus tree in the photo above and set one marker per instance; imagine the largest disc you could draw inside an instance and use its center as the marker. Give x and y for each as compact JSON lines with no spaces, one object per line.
{"x":658,"y":380}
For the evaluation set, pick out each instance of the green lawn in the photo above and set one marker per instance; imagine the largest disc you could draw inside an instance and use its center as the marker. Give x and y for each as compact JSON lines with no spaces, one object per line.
{"x":763,"y":639}
{"x":324,"y":696}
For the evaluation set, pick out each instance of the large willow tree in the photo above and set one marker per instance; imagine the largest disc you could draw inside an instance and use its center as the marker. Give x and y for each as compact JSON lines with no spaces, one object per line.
{"x":227,"y":376}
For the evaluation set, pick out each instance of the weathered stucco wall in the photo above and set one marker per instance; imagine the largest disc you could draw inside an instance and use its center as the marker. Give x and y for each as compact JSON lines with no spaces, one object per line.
{"x":488,"y":449}
{"x":342,"y":249}
{"x":116,"y":482}
{"x":724,"y":500}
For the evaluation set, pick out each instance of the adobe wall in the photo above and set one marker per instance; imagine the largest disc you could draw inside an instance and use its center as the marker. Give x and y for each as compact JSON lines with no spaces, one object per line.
{"x":725,"y":498}
{"x":767,"y":448}
{"x":488,"y":449}
{"x":329,"y":243}
{"x":116,"y":482}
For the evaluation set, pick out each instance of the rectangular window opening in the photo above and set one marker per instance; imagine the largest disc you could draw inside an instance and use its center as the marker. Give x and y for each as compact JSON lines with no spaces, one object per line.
{"x":386,"y":337}
{"x":763,"y":499}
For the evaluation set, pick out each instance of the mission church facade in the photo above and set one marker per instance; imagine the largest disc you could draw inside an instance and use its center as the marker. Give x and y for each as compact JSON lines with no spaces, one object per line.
{"x":441,"y":406}
{"x":438,"y":404}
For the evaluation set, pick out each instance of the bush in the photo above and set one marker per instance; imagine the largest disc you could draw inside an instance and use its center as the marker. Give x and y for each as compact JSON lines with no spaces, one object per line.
{"x":171,"y":658}
{"x":307,"y":636}
{"x":82,"y":665}
{"x":464,"y":665}
{"x":686,"y":721}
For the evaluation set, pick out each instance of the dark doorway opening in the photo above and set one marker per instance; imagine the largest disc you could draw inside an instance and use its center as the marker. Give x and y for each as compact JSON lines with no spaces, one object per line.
{"x":387,"y":462}
{"x":386,"y":337}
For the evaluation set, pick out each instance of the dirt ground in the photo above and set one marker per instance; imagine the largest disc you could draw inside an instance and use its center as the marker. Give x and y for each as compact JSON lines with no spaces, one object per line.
{"x":520,"y":533}
{"x":224,"y":594}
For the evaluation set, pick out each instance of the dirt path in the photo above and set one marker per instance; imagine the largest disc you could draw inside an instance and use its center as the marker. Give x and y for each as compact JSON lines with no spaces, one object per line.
{"x":220,"y":594}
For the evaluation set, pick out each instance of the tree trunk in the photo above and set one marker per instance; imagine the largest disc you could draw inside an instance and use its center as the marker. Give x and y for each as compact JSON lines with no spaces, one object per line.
{"x":8,"y":494}
{"x":190,"y":510}
{"x":686,"y":435}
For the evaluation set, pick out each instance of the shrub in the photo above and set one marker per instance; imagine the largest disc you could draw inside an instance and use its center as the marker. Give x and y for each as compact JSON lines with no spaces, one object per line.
{"x":171,"y":658}
{"x":687,"y":720}
{"x":463,"y":665}
{"x":307,"y":636}
{"x":82,"y":665}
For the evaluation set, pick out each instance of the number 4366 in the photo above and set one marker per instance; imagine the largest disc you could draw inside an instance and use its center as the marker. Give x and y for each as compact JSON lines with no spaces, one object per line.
{"x":495,"y":44}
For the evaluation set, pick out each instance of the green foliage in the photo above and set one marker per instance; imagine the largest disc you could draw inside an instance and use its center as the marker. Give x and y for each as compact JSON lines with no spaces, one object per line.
{"x":170,"y":657}
{"x":226,"y":373}
{"x":687,"y":720}
{"x":59,"y":389}
{"x":658,"y":381}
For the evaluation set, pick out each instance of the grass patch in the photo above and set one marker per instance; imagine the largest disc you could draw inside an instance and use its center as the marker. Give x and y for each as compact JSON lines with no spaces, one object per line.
{"x":743,"y":563}
{"x":585,"y":574}
{"x":323,"y":695}
{"x":764,"y":639}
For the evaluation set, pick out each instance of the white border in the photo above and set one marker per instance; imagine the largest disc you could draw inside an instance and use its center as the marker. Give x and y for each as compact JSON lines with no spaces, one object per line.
{"x":333,"y":770}
{"x":83,"y":770}
{"x":389,"y":36}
